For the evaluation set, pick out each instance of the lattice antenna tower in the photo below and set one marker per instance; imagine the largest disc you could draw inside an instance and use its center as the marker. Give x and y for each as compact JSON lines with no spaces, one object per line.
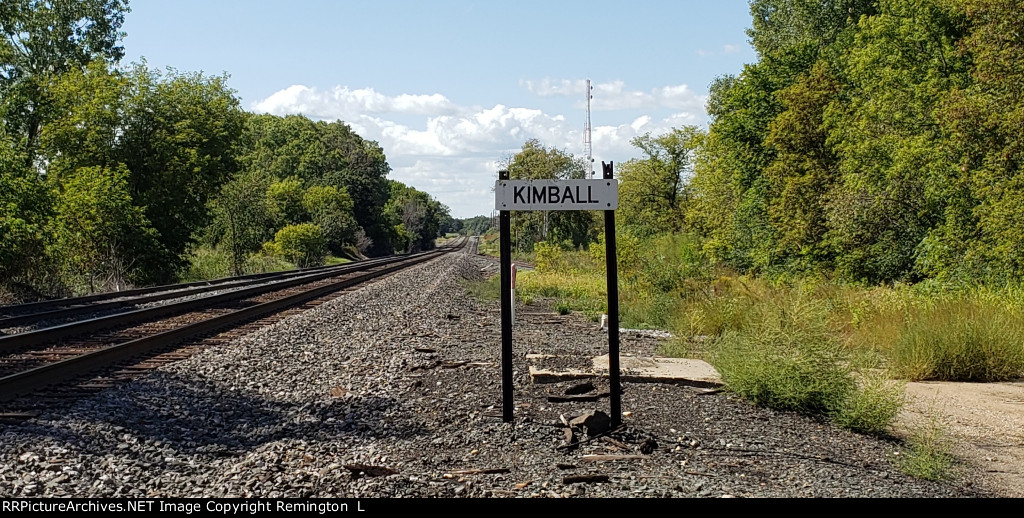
{"x":588,"y":146}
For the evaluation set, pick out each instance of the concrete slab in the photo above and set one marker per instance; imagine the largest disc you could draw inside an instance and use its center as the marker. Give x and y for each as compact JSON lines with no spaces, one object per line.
{"x":697,"y":373}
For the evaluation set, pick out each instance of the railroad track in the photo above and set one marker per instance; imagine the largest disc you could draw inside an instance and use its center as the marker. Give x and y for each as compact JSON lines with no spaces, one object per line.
{"x":56,"y":354}
{"x":34,"y":313}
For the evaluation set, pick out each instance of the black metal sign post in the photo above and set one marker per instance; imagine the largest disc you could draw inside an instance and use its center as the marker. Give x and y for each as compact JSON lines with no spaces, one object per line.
{"x":505,"y":244}
{"x":612,"y":269}
{"x":558,"y":195}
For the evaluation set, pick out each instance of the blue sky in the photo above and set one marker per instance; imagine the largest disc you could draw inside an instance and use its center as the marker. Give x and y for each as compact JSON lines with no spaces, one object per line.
{"x":451,"y":88}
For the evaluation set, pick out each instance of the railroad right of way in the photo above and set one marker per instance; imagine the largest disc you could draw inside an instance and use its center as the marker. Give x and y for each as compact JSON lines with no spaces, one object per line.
{"x":394,"y":390}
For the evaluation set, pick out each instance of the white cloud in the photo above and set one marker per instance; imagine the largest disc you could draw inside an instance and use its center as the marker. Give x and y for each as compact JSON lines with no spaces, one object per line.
{"x":342,"y":103}
{"x":453,"y":151}
{"x":730,"y":49}
{"x":640,"y":122}
{"x":548,"y":87}
{"x":613,"y":95}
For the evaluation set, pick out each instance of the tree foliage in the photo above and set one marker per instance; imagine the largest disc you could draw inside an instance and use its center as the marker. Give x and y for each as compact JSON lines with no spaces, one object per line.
{"x":415,"y":218}
{"x":113,"y":175}
{"x":323,"y":154}
{"x":652,"y":189}
{"x":179,"y":136}
{"x":99,"y":231}
{"x":573,"y":228}
{"x":477,"y":225}
{"x":44,"y":39}
{"x":876,"y":140}
{"x":301,"y":244}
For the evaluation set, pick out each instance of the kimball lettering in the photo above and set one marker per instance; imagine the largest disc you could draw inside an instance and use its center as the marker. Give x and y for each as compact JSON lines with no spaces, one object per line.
{"x":551,"y":194}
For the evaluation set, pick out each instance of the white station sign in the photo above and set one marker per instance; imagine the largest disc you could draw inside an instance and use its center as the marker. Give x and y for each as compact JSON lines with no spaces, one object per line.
{"x":556,"y":194}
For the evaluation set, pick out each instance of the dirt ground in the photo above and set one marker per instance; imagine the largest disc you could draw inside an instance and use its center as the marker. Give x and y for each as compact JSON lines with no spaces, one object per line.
{"x":985,"y":422}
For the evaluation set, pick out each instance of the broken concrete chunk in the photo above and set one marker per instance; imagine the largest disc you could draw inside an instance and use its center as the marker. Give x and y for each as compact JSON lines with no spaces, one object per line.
{"x":594,"y":422}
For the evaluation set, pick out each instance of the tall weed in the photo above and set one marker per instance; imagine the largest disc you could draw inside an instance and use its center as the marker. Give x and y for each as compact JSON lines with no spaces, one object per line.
{"x":785,"y":358}
{"x":962,"y":339}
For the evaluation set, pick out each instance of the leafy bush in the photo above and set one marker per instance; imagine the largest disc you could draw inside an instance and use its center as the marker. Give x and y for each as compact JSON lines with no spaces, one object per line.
{"x":302,"y":244}
{"x":548,"y":256}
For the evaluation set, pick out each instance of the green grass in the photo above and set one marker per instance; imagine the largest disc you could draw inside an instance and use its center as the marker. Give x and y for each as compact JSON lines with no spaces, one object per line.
{"x":786,"y":355}
{"x":584,"y":292}
{"x":927,"y":453}
{"x":871,"y":408}
{"x":563,"y":307}
{"x":962,"y":339}
{"x":786,"y":359}
{"x":207,"y":263}
{"x":486,"y":290}
{"x":332,"y":260}
{"x":807,"y":343}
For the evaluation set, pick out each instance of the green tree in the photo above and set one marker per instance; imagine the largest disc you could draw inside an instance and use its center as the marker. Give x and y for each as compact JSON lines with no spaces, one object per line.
{"x":242,"y":219}
{"x":44,"y":39}
{"x":178,"y":140}
{"x":26,"y":207}
{"x":87,"y":120}
{"x":730,"y":191}
{"x":984,"y":235}
{"x":652,"y":190}
{"x":415,"y":218}
{"x":897,"y":174}
{"x":325,"y":154}
{"x":533,"y":162}
{"x":804,"y":171}
{"x":284,"y":198}
{"x":331,"y":209}
{"x":477,"y":225}
{"x":782,"y":25}
{"x":99,"y":229}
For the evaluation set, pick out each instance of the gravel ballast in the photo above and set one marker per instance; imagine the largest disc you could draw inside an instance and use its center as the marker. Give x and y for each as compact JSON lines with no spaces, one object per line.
{"x":394,"y":390}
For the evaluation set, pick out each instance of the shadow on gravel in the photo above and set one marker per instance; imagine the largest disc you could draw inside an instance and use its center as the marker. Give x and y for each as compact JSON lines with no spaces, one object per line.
{"x":190,"y":415}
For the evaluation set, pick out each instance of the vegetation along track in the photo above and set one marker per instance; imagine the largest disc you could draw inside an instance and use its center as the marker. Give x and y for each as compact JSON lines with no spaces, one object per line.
{"x":33,"y":313}
{"x":52,"y":355}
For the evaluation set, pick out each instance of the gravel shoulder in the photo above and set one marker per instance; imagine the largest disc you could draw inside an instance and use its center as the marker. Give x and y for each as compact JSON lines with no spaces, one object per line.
{"x":394,"y":390}
{"x":984,"y":423}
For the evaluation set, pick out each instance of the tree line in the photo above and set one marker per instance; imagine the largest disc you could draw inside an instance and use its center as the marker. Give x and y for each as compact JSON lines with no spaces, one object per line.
{"x":878,"y":141}
{"x":872,"y":141}
{"x":114,"y":175}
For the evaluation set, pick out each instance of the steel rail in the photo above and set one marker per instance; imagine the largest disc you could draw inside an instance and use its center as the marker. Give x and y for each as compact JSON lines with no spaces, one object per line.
{"x":18,"y":310}
{"x":15,"y":342}
{"x":69,"y":311}
{"x":60,"y":371}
